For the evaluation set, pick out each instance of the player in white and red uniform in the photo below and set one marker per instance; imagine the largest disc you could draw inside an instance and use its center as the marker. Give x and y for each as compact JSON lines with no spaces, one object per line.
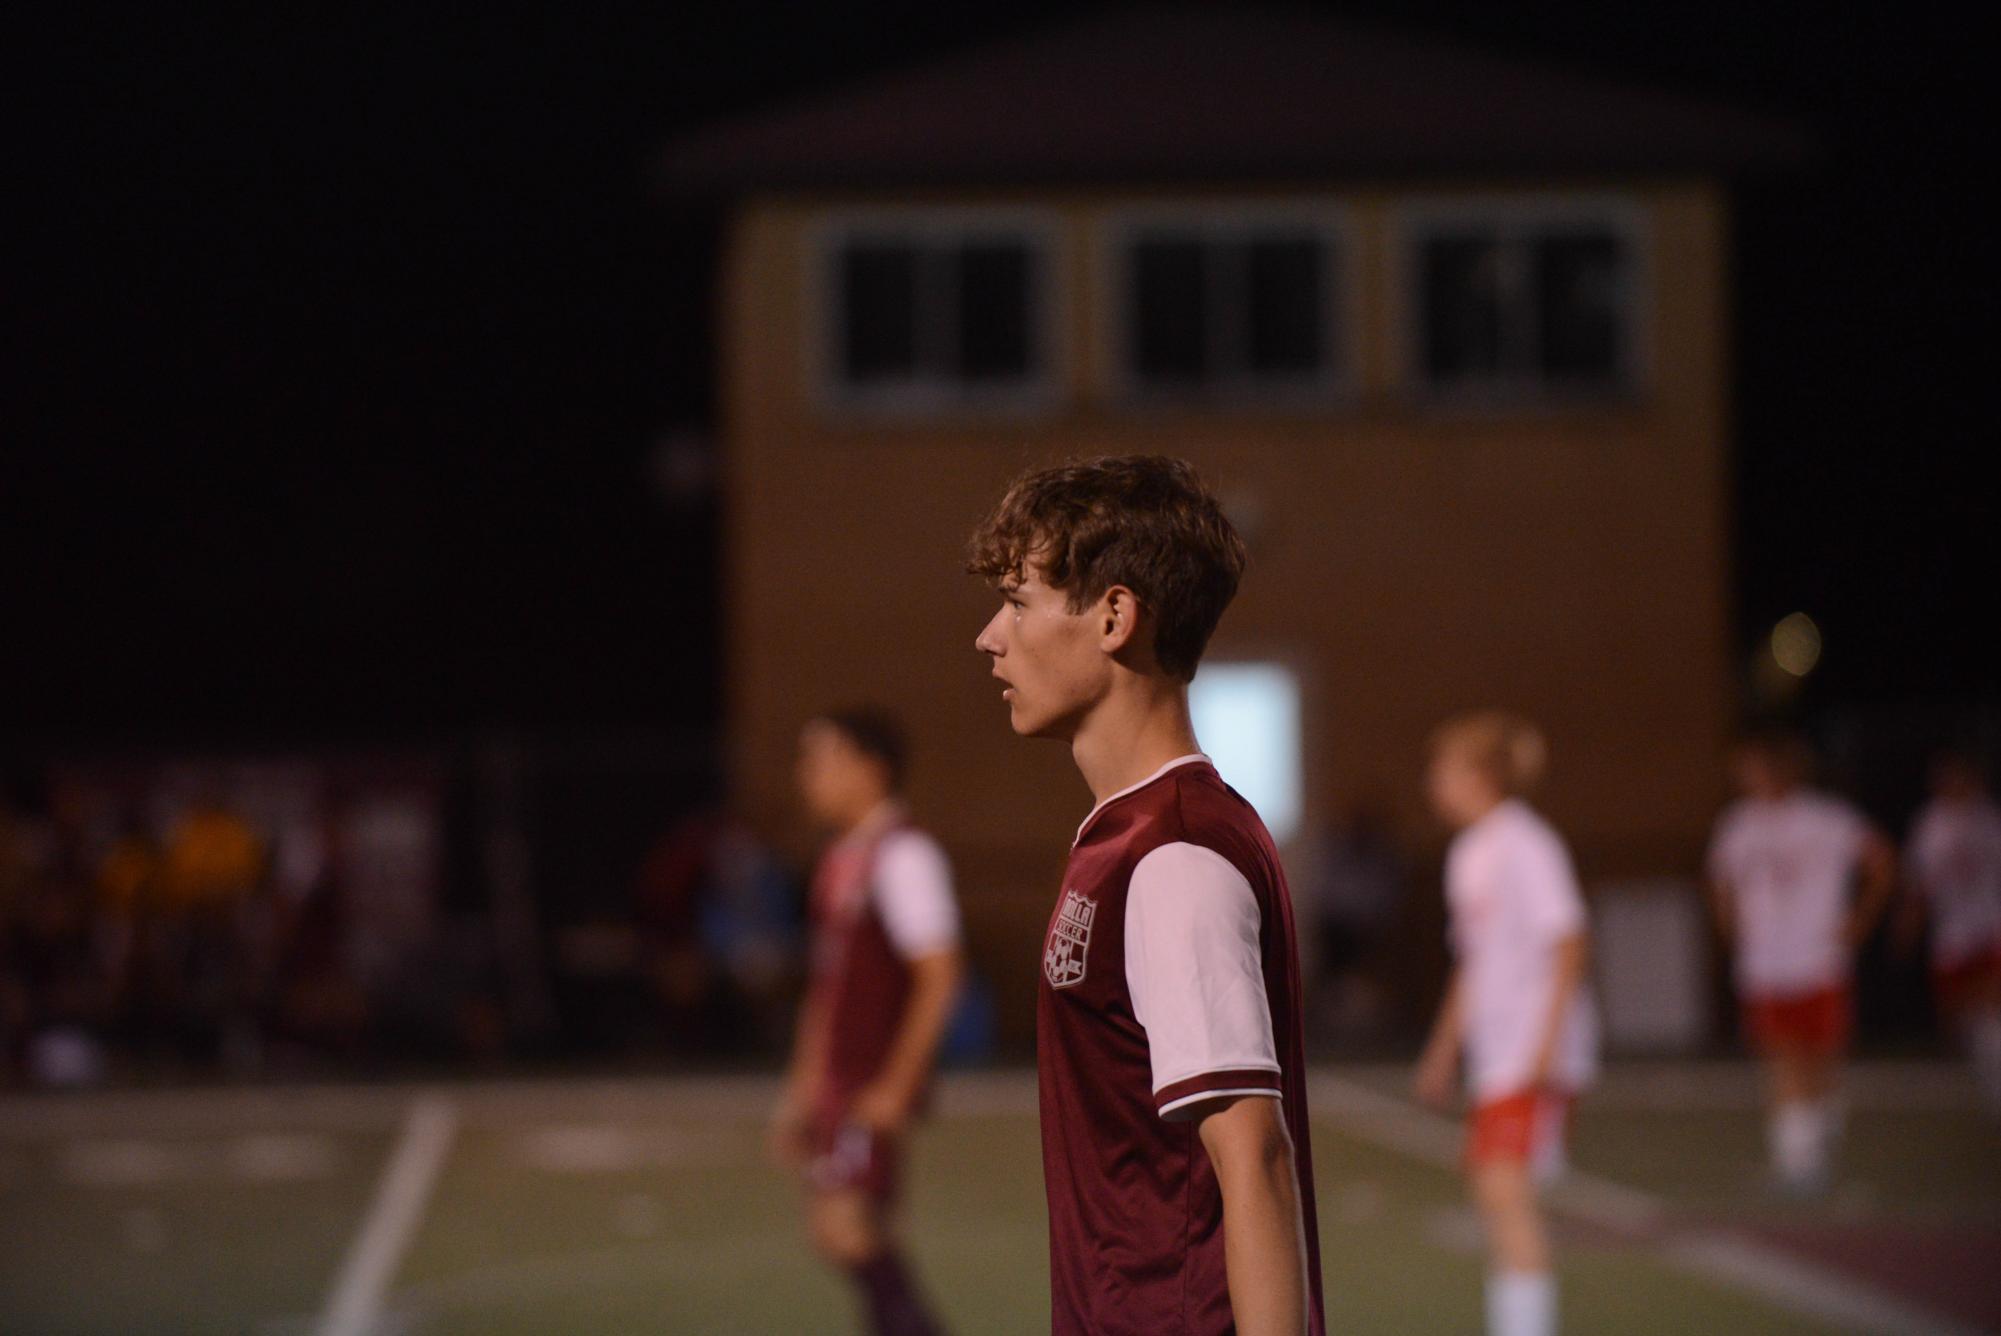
{"x":1783,"y":864}
{"x":1169,"y":1050}
{"x":885,"y":969}
{"x":1517,"y":1007}
{"x":1953,"y":867}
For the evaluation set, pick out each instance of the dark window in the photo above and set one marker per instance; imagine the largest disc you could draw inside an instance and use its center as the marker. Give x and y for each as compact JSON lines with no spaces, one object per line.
{"x":1170,"y":312}
{"x":1230,"y":307}
{"x":879,"y":300}
{"x":1462,"y":309}
{"x":993,"y":315}
{"x":936,"y":313}
{"x":1524,"y":308}
{"x":1284,"y":290}
{"x":1581,"y":301}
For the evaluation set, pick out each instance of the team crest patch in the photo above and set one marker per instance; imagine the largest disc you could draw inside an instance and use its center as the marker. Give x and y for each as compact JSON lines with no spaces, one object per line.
{"x":1064,"y":959}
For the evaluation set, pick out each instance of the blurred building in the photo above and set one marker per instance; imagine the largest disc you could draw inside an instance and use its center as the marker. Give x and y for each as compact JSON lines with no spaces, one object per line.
{"x":1449,"y":332}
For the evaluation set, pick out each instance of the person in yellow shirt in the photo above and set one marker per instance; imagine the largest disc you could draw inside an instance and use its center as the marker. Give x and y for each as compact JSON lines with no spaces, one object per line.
{"x":212,"y":859}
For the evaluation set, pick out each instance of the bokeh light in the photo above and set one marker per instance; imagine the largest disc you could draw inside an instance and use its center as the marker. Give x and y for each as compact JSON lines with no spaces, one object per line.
{"x":1796,"y":644}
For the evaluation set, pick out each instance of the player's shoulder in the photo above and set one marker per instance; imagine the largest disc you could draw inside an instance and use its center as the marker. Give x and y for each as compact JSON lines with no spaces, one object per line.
{"x":907,"y":840}
{"x":1831,"y":808}
{"x":911,"y":849}
{"x":1191,"y":805}
{"x":1535,"y":833}
{"x":1206,"y":811}
{"x":1737,"y":815}
{"x":1514,"y":830}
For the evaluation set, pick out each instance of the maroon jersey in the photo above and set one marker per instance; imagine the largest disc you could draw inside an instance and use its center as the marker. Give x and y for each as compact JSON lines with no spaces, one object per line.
{"x":1170,"y":977}
{"x":882,"y":895}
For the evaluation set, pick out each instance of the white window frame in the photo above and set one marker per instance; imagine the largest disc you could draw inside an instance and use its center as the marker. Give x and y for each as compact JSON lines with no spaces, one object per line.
{"x":1233,"y":220}
{"x":1038,"y":230}
{"x":1516,"y":220}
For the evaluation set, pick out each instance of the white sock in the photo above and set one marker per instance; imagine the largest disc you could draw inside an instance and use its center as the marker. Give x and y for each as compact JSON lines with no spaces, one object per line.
{"x":1983,"y":1038}
{"x":1521,"y":1303}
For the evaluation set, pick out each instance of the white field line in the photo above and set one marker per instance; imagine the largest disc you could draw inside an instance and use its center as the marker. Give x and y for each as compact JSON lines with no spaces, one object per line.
{"x":1730,"y":1259}
{"x":355,"y":1300}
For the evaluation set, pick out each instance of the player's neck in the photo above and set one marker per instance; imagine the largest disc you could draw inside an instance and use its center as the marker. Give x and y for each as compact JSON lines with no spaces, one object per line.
{"x":1140,"y":725}
{"x":871,"y":816}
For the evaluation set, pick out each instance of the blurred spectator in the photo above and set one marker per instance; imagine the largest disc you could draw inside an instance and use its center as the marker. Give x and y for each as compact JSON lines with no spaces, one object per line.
{"x":211,"y":873}
{"x":718,"y":932}
{"x":1353,"y":878}
{"x":56,"y":998}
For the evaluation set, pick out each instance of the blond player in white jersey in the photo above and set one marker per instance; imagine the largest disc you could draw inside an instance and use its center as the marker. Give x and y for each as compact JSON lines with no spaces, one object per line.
{"x":1517,"y":1007}
{"x":1953,"y":868}
{"x":1798,"y":879}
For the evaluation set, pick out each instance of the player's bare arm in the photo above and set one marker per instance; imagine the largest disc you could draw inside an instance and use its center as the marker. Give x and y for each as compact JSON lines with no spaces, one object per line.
{"x":795,"y":1100}
{"x":1878,"y":866}
{"x":1264,"y":1241}
{"x":1570,"y":957}
{"x":886,"y":1104}
{"x":1433,"y":1080}
{"x":1723,"y":907}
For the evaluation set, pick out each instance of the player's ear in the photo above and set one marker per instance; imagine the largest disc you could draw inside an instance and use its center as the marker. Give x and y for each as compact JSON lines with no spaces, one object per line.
{"x":1118,"y":613}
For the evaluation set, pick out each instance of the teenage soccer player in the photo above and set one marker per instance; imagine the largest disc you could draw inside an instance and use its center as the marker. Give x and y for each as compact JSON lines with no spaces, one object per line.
{"x":1781,"y":864}
{"x":885,"y":969}
{"x":1954,"y":863}
{"x":1516,"y":1006}
{"x":1172,"y":1077}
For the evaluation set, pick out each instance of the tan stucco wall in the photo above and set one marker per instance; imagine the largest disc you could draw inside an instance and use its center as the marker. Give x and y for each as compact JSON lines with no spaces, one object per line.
{"x":1409,"y":560}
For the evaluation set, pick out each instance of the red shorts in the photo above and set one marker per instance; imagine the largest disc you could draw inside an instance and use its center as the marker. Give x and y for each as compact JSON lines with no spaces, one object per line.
{"x":1818,"y":1021}
{"x":1966,"y":981}
{"x":847,"y":1157}
{"x":1530,"y":1127}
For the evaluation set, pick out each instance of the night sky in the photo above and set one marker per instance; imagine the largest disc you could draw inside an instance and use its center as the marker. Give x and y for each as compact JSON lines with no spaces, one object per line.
{"x":337,"y":349}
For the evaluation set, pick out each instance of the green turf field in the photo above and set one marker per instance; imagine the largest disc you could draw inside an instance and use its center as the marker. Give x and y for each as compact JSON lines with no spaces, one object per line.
{"x":646,"y":1206}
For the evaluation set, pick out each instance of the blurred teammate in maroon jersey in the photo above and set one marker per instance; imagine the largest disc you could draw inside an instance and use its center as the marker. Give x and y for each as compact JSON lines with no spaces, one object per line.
{"x":885,"y":969}
{"x":1172,"y":1075}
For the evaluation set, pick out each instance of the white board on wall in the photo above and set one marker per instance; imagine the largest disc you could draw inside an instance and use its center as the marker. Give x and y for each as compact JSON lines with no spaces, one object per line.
{"x":1650,"y":948}
{"x":1247,"y":718}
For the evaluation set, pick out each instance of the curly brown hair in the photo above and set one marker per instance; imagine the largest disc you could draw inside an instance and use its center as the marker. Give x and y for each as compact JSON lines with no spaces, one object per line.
{"x":1142,"y":521}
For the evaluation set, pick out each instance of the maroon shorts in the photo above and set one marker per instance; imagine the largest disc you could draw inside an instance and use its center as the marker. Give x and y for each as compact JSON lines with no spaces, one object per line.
{"x":847,"y":1157}
{"x":1818,"y":1021}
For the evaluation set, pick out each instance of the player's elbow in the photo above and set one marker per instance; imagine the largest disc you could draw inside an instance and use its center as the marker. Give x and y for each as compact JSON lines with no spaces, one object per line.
{"x":940,"y":973}
{"x":1247,"y":1141}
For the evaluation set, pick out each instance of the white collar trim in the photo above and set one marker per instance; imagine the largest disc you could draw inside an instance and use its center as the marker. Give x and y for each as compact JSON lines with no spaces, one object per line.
{"x":1178,"y":761}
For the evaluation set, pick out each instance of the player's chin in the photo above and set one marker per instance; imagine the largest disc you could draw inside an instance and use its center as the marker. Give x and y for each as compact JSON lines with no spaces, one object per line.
{"x":1031,"y":725}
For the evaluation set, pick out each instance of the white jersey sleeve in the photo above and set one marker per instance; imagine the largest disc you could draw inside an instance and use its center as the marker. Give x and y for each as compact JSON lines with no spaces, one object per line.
{"x":913,"y":894}
{"x":1195,"y":971}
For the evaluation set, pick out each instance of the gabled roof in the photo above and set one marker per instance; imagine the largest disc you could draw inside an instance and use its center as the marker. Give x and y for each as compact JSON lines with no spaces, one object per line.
{"x":1219,"y":94}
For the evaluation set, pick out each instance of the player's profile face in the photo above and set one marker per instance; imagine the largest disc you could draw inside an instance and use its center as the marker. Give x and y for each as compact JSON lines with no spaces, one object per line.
{"x":1046,"y":656}
{"x":837,"y":781}
{"x":1459,"y":790}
